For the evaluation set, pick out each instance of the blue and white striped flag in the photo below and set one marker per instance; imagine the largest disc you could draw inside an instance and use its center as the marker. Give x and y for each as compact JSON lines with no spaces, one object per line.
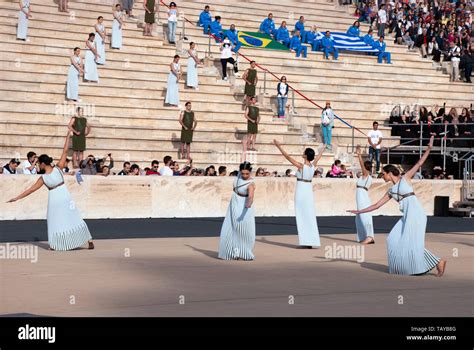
{"x":342,"y":41}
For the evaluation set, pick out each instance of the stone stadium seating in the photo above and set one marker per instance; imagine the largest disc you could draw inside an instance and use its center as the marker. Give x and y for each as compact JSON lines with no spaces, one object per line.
{"x":129,"y":117}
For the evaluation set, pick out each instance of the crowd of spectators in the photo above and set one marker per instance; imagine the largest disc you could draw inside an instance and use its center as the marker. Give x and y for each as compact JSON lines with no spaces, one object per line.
{"x":440,"y":29}
{"x":456,"y":126}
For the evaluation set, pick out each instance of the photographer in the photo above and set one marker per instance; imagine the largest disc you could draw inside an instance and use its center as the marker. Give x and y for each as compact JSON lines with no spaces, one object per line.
{"x":29,"y":165}
{"x":88,"y":166}
{"x":102,"y":168}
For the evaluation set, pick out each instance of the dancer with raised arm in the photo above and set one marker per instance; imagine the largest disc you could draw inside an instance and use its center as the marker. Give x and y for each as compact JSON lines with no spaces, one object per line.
{"x":364,"y":222}
{"x":406,"y":242}
{"x":308,"y":233}
{"x":237,"y":237}
{"x":66,"y":229}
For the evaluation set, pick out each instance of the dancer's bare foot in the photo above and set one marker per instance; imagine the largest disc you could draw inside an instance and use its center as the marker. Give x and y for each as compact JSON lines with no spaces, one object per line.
{"x":368,"y":240}
{"x":441,"y":267}
{"x":91,"y":245}
{"x":51,"y":249}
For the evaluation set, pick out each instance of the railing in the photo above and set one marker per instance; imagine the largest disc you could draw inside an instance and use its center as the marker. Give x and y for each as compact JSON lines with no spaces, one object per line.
{"x":274,"y":76}
{"x":468,"y":180}
{"x":420,"y":142}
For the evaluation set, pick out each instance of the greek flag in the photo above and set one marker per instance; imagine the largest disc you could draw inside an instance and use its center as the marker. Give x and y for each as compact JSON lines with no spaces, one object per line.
{"x":342,"y":41}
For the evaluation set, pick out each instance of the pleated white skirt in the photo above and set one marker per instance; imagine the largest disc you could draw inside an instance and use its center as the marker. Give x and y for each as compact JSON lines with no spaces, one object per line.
{"x":406,"y":242}
{"x":306,"y":223}
{"x":237,"y":237}
{"x":66,"y":229}
{"x":364,"y":222}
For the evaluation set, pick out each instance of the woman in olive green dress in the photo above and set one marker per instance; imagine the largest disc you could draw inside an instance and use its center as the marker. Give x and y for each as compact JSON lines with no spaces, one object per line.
{"x":251,"y":79}
{"x":80,"y":129}
{"x":188,"y":123}
{"x":150,"y":9}
{"x":252,"y":114}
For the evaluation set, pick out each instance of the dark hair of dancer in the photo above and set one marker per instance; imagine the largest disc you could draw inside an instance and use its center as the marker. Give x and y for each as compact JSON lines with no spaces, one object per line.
{"x":389,"y":168}
{"x":368,"y":165}
{"x":245,"y":166}
{"x":45,"y":159}
{"x":309,"y":153}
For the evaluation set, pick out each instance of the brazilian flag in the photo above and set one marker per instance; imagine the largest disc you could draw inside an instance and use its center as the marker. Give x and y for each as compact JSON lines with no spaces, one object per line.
{"x":260,"y":41}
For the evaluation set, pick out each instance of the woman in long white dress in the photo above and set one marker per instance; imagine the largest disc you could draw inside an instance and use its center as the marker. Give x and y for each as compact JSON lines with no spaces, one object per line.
{"x":117,"y":25}
{"x":172,"y":90}
{"x":406,"y":250}
{"x":364,"y":222}
{"x":100,"y":35}
{"x":192,"y":79}
{"x":237,"y":237}
{"x":75,"y":70}
{"x":66,"y":228}
{"x":90,"y":66}
{"x":23,"y":16}
{"x":306,"y":223}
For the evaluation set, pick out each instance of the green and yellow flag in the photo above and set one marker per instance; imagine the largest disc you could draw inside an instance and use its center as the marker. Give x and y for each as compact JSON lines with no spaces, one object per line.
{"x":260,"y":41}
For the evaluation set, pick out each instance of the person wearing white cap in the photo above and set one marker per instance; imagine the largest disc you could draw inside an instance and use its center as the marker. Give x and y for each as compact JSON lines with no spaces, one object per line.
{"x":327,"y":123}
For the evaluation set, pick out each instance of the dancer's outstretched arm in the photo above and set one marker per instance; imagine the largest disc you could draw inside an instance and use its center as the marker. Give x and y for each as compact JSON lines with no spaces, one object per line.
{"x":37,"y":185}
{"x":373,"y":207}
{"x":410,"y":173}
{"x":320,"y":154}
{"x":287,"y":156}
{"x":62,"y":162}
{"x":365,"y":172}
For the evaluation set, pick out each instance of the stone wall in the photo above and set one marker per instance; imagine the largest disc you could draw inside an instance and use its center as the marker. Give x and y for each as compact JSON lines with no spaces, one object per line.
{"x":162,"y":197}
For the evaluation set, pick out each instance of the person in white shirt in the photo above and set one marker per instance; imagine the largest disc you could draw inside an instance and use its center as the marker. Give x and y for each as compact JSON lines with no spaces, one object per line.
{"x":29,"y":165}
{"x":454,"y":55}
{"x":375,"y":144}
{"x":226,"y":57}
{"x":166,"y":170}
{"x":382,"y":20}
{"x":172,"y":22}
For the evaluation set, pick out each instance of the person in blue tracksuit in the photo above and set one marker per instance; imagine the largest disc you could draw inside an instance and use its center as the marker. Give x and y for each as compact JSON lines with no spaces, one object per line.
{"x":380,"y":45}
{"x":216,"y":29}
{"x":368,"y":38}
{"x":354,"y":29}
{"x":300,"y":26}
{"x":282,"y":35}
{"x":205,"y":19}
{"x":328,"y":46}
{"x":297,"y":46}
{"x":232,"y":34}
{"x":268,"y":26}
{"x":312,"y":39}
